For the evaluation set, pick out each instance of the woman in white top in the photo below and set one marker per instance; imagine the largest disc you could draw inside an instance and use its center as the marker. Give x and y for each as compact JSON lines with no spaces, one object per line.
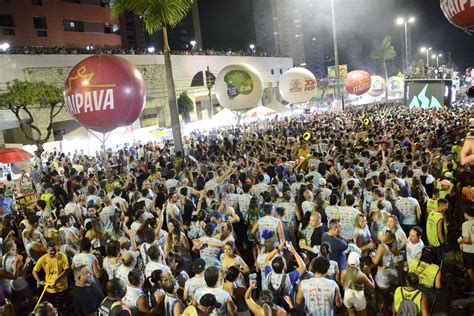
{"x":229,"y":258}
{"x":113,"y":260}
{"x":362,"y":236}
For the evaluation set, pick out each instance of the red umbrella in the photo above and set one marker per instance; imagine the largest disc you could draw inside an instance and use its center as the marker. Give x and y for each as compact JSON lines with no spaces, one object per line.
{"x":9,"y":155}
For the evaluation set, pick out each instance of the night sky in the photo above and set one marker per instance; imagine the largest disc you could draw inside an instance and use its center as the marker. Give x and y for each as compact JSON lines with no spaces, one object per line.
{"x":229,"y":24}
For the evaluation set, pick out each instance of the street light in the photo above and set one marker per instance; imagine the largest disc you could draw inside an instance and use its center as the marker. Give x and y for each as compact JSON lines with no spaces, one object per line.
{"x":427,"y":51}
{"x":151,"y":50}
{"x":434,"y":56}
{"x":193,"y":44}
{"x":252,"y":48}
{"x":404,"y":22}
{"x":4,"y":47}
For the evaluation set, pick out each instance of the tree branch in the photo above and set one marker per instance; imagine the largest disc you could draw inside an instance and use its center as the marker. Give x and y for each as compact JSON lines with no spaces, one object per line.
{"x":60,"y":108}
{"x":20,"y":121}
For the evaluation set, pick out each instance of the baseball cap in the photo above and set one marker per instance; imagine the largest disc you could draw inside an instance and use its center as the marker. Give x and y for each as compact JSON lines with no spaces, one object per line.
{"x":353,"y":259}
{"x":199,"y":265}
{"x":209,"y":300}
{"x":448,"y":175}
{"x":215,"y":214}
{"x":210,"y":228}
{"x":322,"y":181}
{"x":445,"y":183}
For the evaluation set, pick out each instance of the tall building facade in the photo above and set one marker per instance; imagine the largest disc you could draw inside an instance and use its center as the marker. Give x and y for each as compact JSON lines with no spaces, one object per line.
{"x":279,"y":28}
{"x":61,"y":23}
{"x":288,"y":28}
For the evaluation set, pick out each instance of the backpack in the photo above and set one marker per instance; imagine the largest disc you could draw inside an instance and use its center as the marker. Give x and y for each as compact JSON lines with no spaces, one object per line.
{"x":408,"y":307}
{"x":280,"y":292}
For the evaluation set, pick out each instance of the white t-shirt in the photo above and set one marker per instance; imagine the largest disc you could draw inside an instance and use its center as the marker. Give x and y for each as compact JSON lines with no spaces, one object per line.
{"x":414,"y":251}
{"x":221,"y":296}
{"x":468,"y":231}
{"x":271,"y":224}
{"x":407,"y":206}
{"x":319,"y":296}
{"x":347,"y":218}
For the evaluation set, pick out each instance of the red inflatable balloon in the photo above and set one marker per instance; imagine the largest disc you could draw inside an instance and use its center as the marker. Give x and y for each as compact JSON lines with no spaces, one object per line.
{"x":358,"y":82}
{"x":104,"y":92}
{"x":460,"y":13}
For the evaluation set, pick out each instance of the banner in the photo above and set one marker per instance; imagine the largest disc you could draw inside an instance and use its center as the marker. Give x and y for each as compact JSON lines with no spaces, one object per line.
{"x":342,"y":73}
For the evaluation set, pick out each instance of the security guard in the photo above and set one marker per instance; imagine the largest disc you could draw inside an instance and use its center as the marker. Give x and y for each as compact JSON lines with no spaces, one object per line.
{"x":428,"y":272}
{"x":436,"y":227}
{"x":432,"y":203}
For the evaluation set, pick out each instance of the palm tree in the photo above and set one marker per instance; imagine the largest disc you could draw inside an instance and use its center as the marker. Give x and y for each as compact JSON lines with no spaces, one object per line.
{"x":383,"y":50}
{"x":156,"y":16}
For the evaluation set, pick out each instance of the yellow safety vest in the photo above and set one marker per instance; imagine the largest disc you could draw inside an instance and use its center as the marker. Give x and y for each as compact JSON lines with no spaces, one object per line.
{"x":409,"y":295}
{"x":432,"y":228}
{"x":426,"y":272}
{"x":431,"y":205}
{"x":443,"y":193}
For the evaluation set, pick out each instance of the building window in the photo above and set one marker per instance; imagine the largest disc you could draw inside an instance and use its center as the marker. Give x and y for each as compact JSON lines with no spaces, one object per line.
{"x":73,"y":26}
{"x":273,"y":72}
{"x":6,"y":20}
{"x":8,"y":31}
{"x":41,"y":33}
{"x":40,"y":22}
{"x":37,"y":2}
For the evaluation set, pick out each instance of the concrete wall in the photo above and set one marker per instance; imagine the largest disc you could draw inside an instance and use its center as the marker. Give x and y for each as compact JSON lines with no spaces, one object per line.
{"x":55,"y":69}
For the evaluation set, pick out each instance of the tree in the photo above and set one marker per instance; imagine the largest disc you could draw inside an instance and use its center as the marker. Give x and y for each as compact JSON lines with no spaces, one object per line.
{"x":324,"y":86}
{"x":383,"y":50}
{"x":21,"y":96}
{"x":156,"y":16}
{"x":185,"y":106}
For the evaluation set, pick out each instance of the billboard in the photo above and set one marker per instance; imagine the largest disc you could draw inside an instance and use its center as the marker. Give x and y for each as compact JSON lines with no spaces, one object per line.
{"x":342,"y":73}
{"x":428,"y":94}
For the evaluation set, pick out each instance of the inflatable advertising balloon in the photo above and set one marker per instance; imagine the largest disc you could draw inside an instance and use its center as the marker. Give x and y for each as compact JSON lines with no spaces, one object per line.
{"x":298,"y":85}
{"x":377,"y":88}
{"x":104,"y":92}
{"x":459,"y":13}
{"x":358,"y":82}
{"x":239,"y":87}
{"x":395,"y":85}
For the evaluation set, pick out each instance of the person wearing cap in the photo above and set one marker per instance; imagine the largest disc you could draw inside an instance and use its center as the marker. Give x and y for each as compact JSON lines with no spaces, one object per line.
{"x":318,"y":294}
{"x":322,"y":186}
{"x":436,"y":228}
{"x":206,"y":306}
{"x":112,"y":304}
{"x":445,"y":188}
{"x":353,"y":281}
{"x":209,"y":246}
{"x":409,"y":208}
{"x":7,"y":206}
{"x":197,"y":281}
{"x":129,"y":261}
{"x":211,"y":276}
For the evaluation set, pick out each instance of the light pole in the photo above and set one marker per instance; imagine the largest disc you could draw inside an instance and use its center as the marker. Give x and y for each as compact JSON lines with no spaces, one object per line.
{"x":193,"y":44}
{"x":427,"y":51}
{"x":252,"y":48}
{"x":336,"y":54}
{"x":434,"y":56}
{"x":404,"y":22}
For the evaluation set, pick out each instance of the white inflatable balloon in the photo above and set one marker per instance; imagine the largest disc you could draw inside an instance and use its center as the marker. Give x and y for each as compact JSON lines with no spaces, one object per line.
{"x":298,"y":85}
{"x":377,"y":87}
{"x":239,"y":87}
{"x":395,"y":85}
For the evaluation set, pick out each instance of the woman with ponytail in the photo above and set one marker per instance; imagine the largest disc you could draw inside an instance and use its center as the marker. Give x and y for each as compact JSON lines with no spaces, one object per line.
{"x":268,"y":308}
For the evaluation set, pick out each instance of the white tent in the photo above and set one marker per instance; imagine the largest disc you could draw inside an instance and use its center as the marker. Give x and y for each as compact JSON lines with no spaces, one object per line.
{"x":278,"y":106}
{"x":259,"y":112}
{"x":225,"y":117}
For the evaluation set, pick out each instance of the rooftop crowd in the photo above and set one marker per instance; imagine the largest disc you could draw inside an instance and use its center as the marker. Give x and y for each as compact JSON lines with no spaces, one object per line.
{"x":258,"y":219}
{"x":90,"y":49}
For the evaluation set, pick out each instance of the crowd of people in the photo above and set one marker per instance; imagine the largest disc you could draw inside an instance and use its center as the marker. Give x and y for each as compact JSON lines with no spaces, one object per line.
{"x":252,"y":219}
{"x":91,"y":49}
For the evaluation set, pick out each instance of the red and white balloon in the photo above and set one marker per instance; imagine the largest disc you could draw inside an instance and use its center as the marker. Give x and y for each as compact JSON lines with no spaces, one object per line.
{"x":104,"y":92}
{"x":460,"y":13}
{"x":358,"y":82}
